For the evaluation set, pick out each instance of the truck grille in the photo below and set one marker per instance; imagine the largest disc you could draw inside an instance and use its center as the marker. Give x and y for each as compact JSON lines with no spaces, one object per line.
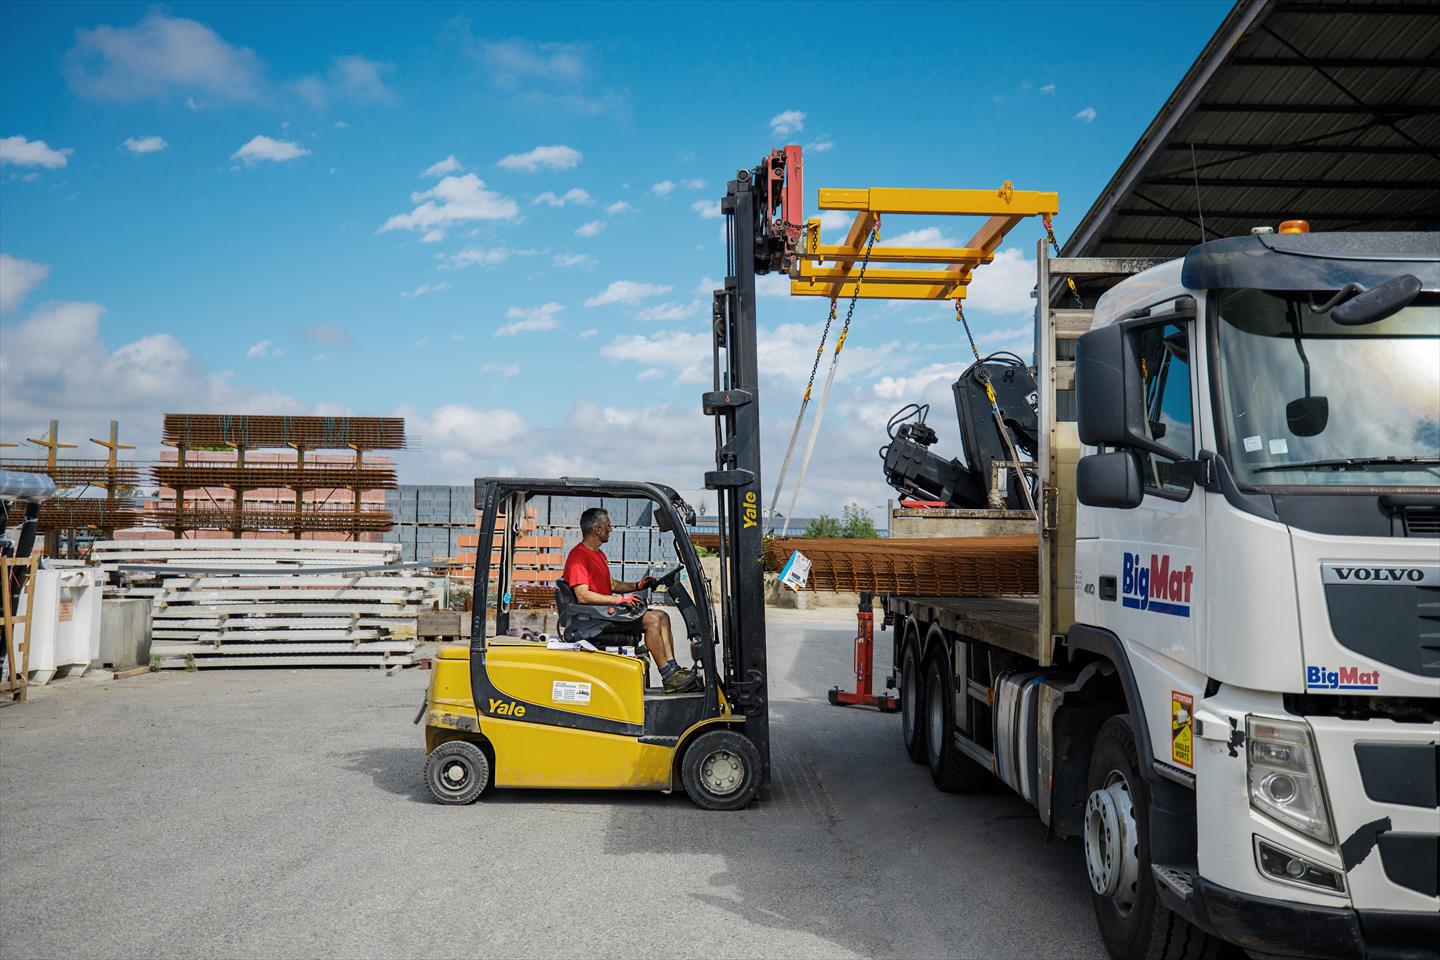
{"x":1396,"y":624}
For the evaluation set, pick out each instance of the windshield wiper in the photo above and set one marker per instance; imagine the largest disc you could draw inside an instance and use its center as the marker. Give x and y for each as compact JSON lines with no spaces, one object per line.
{"x":1346,"y":463}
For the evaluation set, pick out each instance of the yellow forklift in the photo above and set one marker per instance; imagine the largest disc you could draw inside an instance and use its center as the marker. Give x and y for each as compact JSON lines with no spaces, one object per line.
{"x":508,"y":711}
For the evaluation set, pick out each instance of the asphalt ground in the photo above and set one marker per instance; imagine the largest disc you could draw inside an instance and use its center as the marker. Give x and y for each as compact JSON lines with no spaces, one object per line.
{"x":281,"y":813}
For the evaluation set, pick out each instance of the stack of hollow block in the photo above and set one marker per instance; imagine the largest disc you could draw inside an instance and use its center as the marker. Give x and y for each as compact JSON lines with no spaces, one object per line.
{"x":251,"y":603}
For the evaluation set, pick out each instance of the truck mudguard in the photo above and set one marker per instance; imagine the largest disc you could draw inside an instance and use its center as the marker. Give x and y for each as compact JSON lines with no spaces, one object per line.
{"x":1172,"y":807}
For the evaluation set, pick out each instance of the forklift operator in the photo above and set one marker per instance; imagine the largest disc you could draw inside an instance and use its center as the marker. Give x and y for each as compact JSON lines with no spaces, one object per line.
{"x":588,"y":572}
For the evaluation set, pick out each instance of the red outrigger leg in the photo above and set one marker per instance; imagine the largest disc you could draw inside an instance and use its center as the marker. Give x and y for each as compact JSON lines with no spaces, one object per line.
{"x":862,"y":696}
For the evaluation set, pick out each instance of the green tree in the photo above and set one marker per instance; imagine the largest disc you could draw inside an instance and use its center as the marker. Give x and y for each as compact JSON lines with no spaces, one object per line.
{"x":825,"y":526}
{"x":853,"y":522}
{"x":857,"y":523}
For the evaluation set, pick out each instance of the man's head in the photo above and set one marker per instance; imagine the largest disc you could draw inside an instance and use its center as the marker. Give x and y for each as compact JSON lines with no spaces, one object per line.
{"x":595,"y":522}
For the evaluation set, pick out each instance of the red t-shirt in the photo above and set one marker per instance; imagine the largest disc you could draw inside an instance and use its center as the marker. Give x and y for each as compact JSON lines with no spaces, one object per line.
{"x":588,"y":567}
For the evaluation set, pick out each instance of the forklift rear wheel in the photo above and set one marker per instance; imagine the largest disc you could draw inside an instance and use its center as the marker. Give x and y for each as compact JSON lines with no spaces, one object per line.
{"x":457,"y":772}
{"x":721,"y":770}
{"x":911,"y":702}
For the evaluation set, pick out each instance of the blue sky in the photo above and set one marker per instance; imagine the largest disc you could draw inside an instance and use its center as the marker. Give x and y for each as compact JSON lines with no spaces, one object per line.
{"x":226,"y":207}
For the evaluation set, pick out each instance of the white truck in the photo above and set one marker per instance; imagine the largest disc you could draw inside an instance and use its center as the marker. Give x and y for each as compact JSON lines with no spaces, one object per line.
{"x":1229,"y":686}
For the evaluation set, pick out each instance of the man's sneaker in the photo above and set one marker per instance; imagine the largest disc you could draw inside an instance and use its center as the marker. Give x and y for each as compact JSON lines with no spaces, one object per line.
{"x":682,"y":681}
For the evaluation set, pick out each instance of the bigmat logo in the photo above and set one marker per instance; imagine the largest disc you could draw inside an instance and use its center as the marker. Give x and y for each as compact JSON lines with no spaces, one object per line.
{"x":1157,"y":587}
{"x":1345,"y":678}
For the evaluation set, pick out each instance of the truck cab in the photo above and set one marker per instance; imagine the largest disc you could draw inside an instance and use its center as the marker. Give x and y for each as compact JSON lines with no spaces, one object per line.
{"x":1257,"y":553}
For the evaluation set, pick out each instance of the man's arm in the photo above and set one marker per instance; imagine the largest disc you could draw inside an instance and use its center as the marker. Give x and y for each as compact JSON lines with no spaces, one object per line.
{"x":584,"y":594}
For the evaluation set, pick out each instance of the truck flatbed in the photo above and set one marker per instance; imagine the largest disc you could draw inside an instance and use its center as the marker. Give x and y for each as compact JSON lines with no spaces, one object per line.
{"x":1011,"y":623}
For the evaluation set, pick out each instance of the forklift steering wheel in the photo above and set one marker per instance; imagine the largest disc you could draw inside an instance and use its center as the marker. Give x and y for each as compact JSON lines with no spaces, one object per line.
{"x":668,"y":577}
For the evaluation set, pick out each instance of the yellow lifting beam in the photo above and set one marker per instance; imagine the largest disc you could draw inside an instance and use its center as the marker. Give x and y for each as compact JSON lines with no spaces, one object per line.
{"x":1004,"y":208}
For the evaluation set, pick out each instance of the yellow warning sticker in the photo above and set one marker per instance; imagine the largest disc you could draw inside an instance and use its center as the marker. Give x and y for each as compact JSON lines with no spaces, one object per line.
{"x":1182,"y":738}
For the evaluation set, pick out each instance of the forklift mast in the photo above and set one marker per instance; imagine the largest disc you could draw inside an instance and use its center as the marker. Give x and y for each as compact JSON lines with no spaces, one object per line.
{"x":762,"y":209}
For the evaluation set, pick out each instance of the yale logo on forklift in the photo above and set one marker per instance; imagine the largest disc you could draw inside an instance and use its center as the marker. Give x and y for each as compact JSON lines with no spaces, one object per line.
{"x":506,"y":708}
{"x":1157,"y":587}
{"x":751,"y":513}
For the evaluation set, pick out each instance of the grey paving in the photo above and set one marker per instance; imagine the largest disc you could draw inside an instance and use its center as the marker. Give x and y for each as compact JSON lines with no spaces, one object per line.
{"x":281,"y":814}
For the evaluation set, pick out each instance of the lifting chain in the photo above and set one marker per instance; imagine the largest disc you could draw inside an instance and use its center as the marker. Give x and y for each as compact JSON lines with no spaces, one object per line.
{"x":860,"y":279}
{"x":1055,"y":245}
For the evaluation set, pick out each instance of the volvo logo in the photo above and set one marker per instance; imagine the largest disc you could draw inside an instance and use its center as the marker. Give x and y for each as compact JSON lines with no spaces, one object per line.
{"x":1381,"y":573}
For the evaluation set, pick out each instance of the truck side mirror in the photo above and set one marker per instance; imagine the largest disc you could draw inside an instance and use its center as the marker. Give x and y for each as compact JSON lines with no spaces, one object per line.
{"x":1109,"y":480}
{"x":1109,"y":394}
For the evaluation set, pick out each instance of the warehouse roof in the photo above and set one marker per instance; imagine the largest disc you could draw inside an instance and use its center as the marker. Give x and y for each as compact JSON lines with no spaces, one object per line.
{"x":1322,"y":111}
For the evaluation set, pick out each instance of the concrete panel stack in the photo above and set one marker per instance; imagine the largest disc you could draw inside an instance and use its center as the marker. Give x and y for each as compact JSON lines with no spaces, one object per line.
{"x":244,"y":603}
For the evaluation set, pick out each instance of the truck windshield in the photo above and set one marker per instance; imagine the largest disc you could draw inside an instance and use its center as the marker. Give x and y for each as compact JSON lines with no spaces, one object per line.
{"x":1310,"y":402}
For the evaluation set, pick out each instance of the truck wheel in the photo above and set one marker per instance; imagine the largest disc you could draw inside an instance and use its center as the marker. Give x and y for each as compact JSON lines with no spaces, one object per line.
{"x":912,"y":700}
{"x":721,"y":770}
{"x":1133,"y":922}
{"x":952,"y":770}
{"x":457,"y":772}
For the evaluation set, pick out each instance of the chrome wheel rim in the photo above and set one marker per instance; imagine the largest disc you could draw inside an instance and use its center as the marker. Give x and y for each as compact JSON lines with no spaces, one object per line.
{"x":935,"y":713}
{"x":908,"y":695}
{"x":1112,"y":842}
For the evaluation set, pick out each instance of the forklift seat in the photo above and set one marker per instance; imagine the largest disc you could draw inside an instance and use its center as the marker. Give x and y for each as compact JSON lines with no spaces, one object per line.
{"x":586,"y":621}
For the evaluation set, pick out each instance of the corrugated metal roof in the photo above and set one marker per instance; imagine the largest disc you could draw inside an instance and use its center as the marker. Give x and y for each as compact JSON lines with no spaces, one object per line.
{"x":1322,"y":111}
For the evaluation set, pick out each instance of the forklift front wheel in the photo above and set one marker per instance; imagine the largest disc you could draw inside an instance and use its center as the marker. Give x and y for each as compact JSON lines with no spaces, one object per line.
{"x":721,"y":770}
{"x":457,"y":772}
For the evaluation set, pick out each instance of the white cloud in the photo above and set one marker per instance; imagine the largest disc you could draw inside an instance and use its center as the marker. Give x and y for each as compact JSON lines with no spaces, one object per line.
{"x":506,"y":370}
{"x":530,"y":319}
{"x":17,"y":278}
{"x":471,"y":256}
{"x":669,"y":312}
{"x":264,"y":148}
{"x":708,"y":209}
{"x":453,"y":200}
{"x":587,"y":334}
{"x":263,"y":348}
{"x":158,"y":57}
{"x":423,"y":289}
{"x":441,"y":167}
{"x":687,"y":354}
{"x":462,"y":431}
{"x":653,"y":373}
{"x":558,"y":157}
{"x":193,"y":105}
{"x":836,"y":220}
{"x":786,"y":123}
{"x":695,"y":183}
{"x":1048,"y":88}
{"x":31,"y":153}
{"x":145,"y":144}
{"x":341,"y":124}
{"x":1004,"y":285}
{"x":706,"y":287}
{"x":772,"y":285}
{"x":663,"y":189}
{"x":433,"y":235}
{"x":823,"y":145}
{"x":351,"y":77}
{"x":56,"y":364}
{"x":573,"y":195}
{"x":626,"y":291}
{"x":574,"y":260}
{"x":1085,"y":116}
{"x":327,"y":334}
{"x":923,"y":237}
{"x":619,"y":206}
{"x":590,"y":228}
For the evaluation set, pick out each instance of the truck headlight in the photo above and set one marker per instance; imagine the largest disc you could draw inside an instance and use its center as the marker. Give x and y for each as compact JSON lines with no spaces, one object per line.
{"x":1285,"y":778}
